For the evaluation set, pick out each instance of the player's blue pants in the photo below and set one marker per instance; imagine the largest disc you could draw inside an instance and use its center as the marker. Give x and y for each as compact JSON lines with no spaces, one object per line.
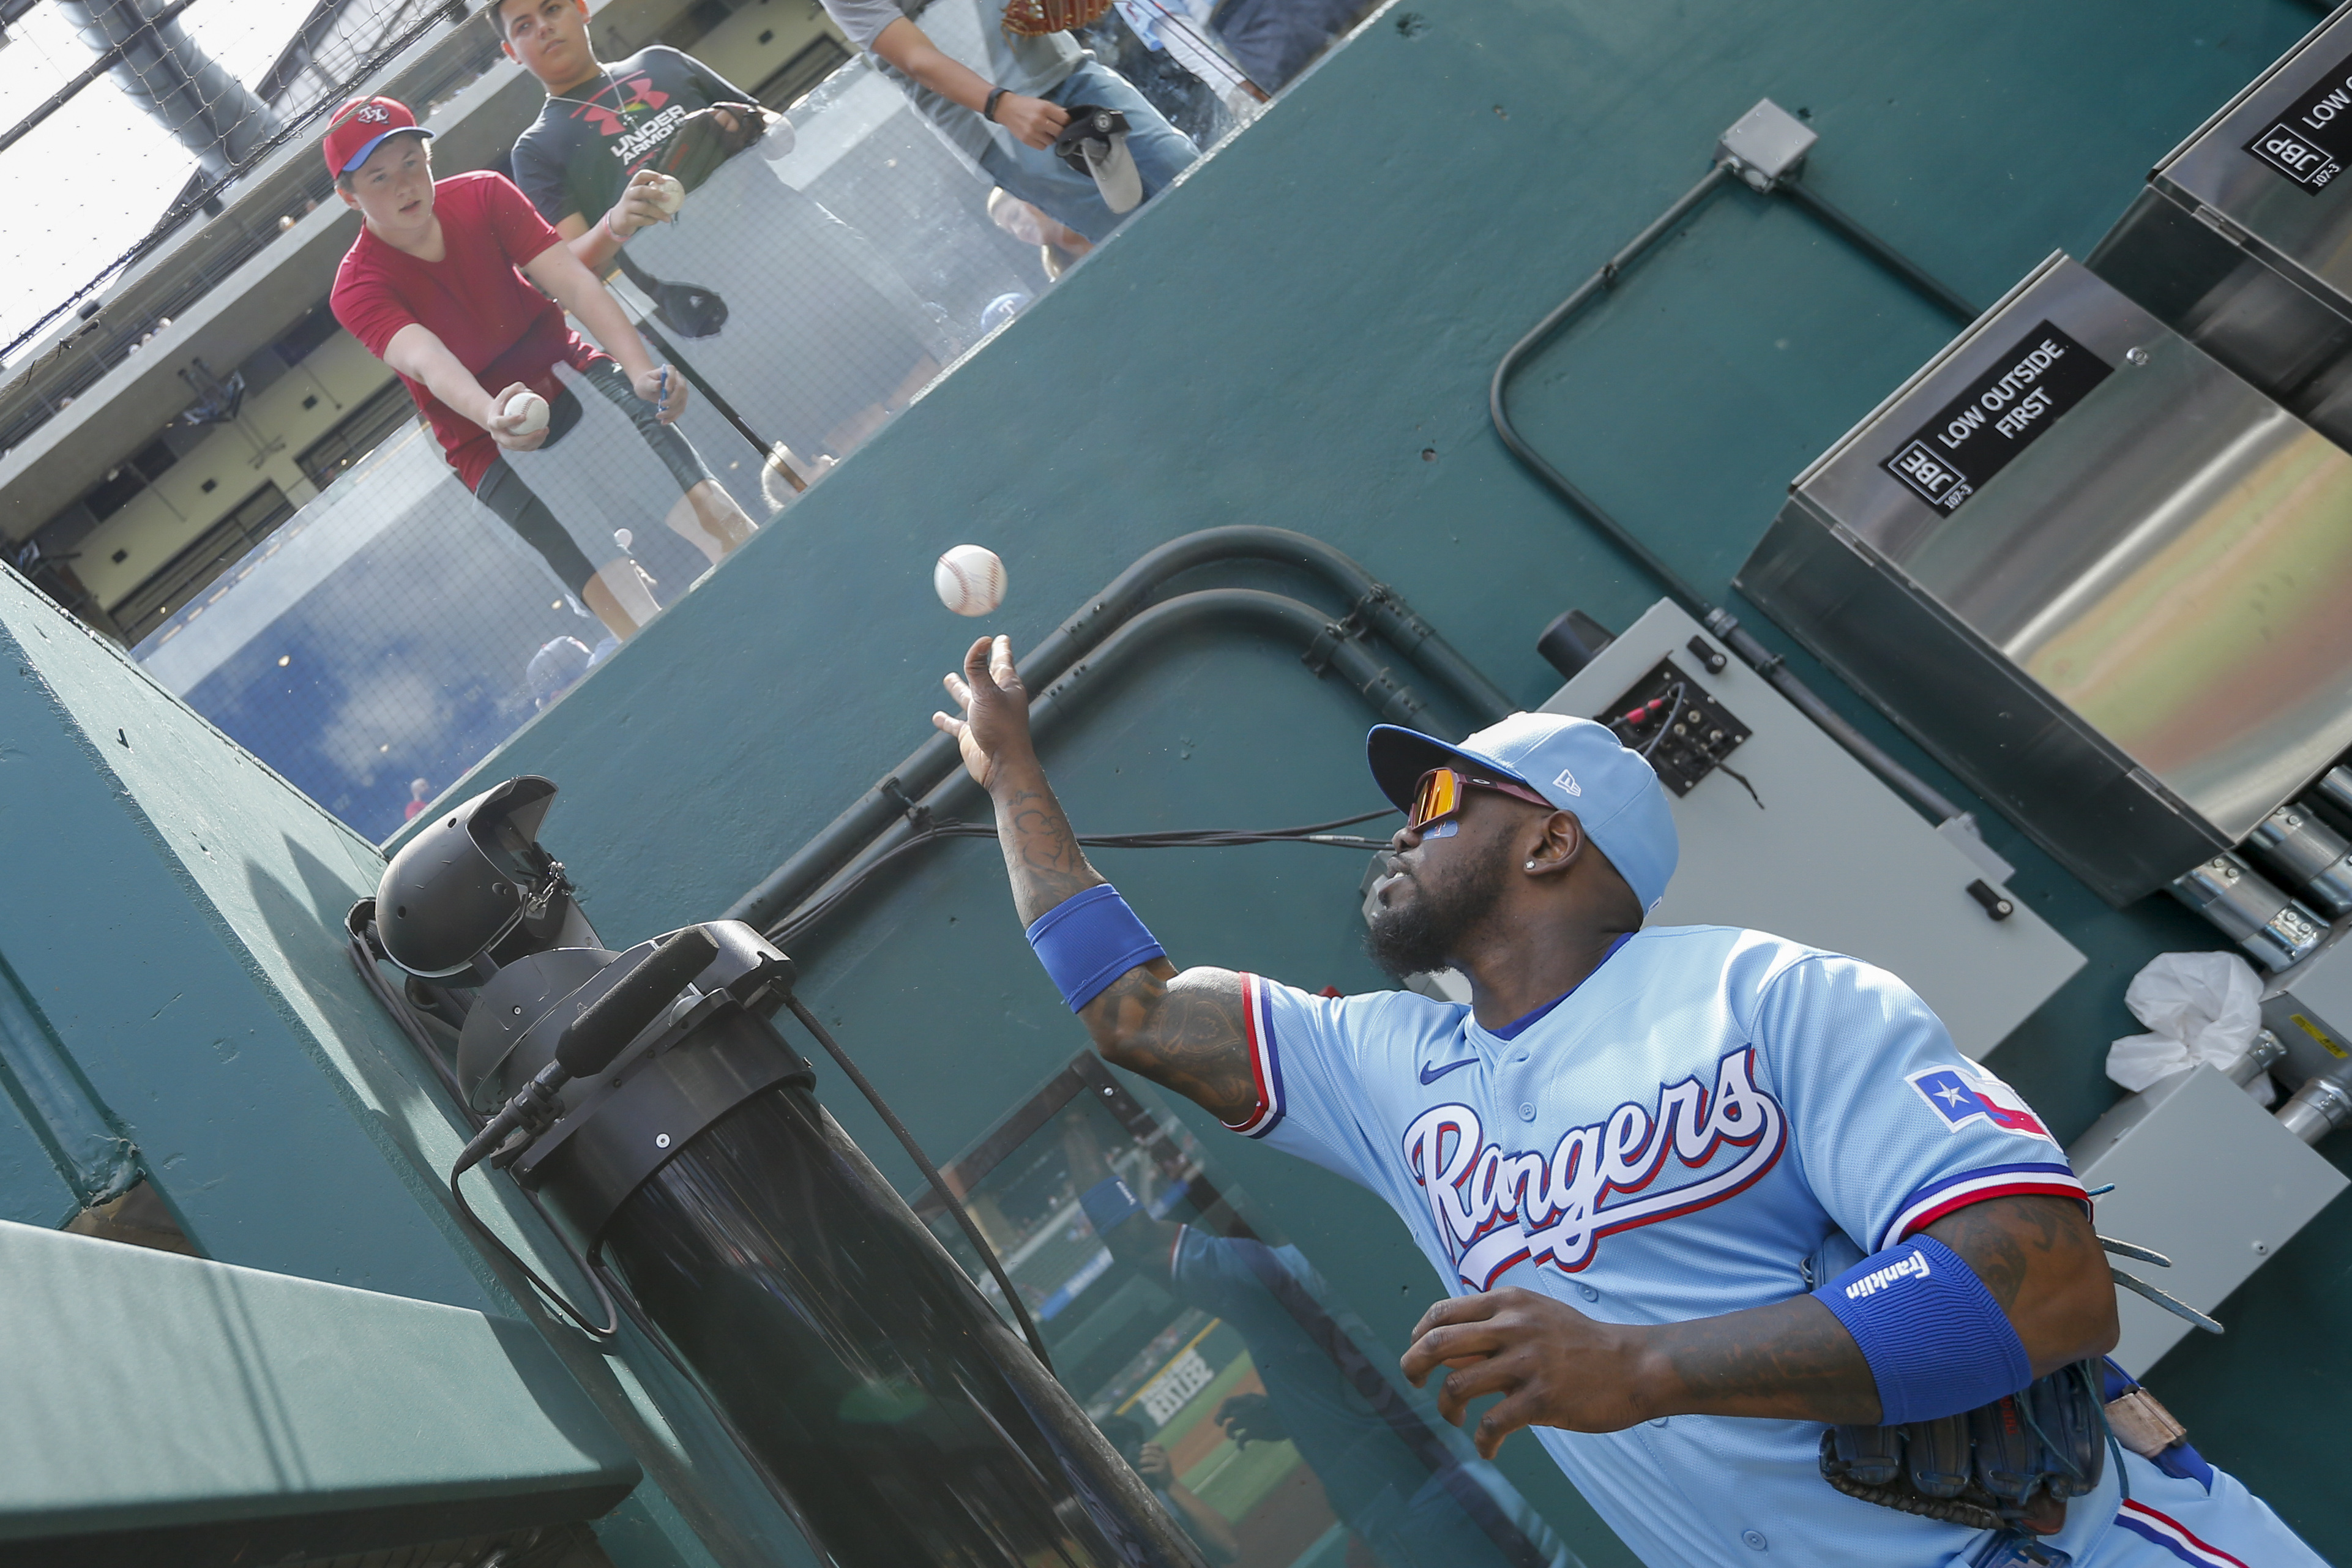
{"x":2169,"y":1520}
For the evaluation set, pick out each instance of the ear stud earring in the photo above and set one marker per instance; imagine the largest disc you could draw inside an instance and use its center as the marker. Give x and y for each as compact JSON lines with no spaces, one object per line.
{"x":1531,"y":864}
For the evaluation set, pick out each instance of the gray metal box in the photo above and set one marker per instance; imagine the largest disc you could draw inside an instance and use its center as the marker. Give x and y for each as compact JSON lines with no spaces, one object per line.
{"x":2205,"y":1176}
{"x":1824,"y":854}
{"x":2099,"y":576}
{"x":2309,"y":1008}
{"x":2242,"y":239}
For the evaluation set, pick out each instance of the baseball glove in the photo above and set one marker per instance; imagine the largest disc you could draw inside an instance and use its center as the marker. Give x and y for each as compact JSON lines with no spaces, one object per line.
{"x":1035,"y":18}
{"x":701,"y":143}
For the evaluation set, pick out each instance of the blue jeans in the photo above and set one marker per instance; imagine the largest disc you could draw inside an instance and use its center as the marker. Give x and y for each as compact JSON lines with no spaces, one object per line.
{"x":1160,"y":152}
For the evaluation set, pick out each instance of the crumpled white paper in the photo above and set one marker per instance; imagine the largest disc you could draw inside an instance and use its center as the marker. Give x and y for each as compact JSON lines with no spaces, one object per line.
{"x":2202,"y":1008}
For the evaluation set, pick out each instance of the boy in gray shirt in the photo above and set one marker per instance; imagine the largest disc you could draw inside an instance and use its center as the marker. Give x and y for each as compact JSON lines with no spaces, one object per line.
{"x":818,"y":340}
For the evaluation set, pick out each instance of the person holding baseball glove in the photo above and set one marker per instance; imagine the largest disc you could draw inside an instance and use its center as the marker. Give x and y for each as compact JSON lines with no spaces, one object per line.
{"x":1009,"y":92}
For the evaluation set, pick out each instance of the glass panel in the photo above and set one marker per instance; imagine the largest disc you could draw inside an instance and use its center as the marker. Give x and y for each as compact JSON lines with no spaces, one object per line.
{"x":397,"y":628}
{"x":1255,"y":1403}
{"x":394,"y":630}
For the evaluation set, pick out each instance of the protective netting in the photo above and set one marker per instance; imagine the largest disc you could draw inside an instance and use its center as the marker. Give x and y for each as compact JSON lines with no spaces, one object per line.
{"x":144,"y":111}
{"x":393,"y":622}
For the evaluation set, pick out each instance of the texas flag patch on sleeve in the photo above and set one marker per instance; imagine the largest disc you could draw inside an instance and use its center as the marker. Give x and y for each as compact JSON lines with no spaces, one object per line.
{"x":1960,"y":1095}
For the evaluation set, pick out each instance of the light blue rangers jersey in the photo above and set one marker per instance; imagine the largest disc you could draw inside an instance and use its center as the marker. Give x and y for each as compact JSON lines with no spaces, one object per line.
{"x":1714,"y":1119}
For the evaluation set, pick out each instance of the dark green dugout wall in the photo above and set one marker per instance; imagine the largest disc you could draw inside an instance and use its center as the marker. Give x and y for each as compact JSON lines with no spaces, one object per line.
{"x":1301,"y":335}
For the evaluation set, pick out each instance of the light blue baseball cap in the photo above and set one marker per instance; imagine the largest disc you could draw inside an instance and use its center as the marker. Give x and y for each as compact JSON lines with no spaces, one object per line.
{"x":1578,"y":765}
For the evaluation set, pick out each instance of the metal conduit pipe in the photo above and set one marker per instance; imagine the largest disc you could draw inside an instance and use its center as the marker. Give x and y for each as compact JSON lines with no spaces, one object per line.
{"x":158,"y":65}
{"x":1771,"y":666}
{"x":1373,"y":606}
{"x":1324,"y":647}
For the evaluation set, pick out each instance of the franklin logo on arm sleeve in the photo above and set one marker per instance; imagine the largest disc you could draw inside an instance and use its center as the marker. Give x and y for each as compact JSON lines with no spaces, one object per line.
{"x":1915,"y":1266}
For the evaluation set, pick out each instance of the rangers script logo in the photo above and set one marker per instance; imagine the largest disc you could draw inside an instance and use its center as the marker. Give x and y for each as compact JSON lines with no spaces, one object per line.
{"x":1495,"y":1208}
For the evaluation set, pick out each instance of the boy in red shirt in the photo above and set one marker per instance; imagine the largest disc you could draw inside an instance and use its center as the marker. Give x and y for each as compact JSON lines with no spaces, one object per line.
{"x":440,"y":285}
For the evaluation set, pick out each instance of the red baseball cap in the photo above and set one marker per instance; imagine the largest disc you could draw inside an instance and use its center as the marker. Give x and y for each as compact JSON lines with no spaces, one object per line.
{"x":360,"y":126}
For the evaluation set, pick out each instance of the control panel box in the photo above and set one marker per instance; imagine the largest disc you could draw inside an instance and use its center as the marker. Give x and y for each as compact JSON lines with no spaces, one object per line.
{"x":2205,"y":1176}
{"x":1790,"y":834}
{"x":2243,"y":239}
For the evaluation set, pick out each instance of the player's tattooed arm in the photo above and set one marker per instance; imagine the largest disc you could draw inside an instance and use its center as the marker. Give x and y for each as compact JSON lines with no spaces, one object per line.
{"x":1183,"y":1031}
{"x":1040,"y":853}
{"x":1555,"y":1367}
{"x":2043,"y":1262}
{"x":1792,"y":1360}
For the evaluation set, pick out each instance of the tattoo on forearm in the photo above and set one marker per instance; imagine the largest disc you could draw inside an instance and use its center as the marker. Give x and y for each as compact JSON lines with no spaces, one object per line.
{"x":1792,"y":1360}
{"x":1041,"y":852}
{"x":2005,"y":1238}
{"x":1180,"y":1031}
{"x":1183,"y":1032}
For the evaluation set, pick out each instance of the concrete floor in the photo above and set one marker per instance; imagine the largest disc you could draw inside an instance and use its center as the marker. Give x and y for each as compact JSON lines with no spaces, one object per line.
{"x":1301,"y":335}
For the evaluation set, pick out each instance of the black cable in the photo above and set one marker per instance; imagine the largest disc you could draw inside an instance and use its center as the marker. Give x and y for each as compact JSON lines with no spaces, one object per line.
{"x":611,"y":1313}
{"x":1498,"y":410}
{"x":1917,"y":278}
{"x":796,"y":923}
{"x":404,"y":1016}
{"x":938,"y":1183}
{"x":1771,"y":666}
{"x":1667,"y":722}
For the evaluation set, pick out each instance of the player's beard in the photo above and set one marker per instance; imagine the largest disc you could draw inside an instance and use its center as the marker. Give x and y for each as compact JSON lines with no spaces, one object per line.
{"x":1426,"y":931}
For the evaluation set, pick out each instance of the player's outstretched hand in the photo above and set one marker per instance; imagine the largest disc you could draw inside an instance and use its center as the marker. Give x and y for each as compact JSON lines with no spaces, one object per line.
{"x":1034,"y":121}
{"x":1553,"y":1365}
{"x":662,"y":386}
{"x":637,"y":208}
{"x":994,"y":729}
{"x":502,"y":426}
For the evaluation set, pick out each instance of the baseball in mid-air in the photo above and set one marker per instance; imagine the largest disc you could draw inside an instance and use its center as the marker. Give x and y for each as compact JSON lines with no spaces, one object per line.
{"x":669,"y":194}
{"x":532,"y":408}
{"x":971,"y":580}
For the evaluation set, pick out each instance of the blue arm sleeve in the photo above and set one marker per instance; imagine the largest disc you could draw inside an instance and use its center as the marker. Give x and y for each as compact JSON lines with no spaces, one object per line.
{"x":1936,"y":1341}
{"x":1089,"y":940}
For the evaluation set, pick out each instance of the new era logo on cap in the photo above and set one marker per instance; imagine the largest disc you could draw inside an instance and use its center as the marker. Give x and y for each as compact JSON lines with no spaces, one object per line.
{"x":1576,"y":765}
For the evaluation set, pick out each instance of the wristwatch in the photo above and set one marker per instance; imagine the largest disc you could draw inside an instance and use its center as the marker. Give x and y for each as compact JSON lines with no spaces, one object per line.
{"x":988,"y":109}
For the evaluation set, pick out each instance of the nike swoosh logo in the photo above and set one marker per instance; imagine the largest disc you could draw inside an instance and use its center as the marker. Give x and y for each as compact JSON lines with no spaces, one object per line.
{"x":1430,"y":1075}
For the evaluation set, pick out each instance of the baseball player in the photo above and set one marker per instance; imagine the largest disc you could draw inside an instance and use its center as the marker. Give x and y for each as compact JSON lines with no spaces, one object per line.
{"x":460,"y":286}
{"x":1716,"y":1213}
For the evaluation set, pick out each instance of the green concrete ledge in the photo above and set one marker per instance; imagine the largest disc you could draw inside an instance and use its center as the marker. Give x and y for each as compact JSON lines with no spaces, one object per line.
{"x":169,"y":1409}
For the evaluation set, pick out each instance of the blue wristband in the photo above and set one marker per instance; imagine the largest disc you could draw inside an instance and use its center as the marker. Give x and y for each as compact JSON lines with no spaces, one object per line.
{"x":1088,"y":940}
{"x":1936,"y":1341}
{"x":1109,"y":1205}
